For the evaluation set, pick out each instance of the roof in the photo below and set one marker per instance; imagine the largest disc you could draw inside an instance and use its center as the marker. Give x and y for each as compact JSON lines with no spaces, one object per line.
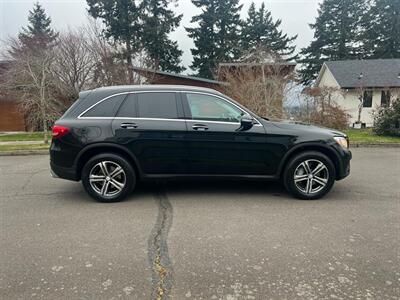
{"x":239,"y":64}
{"x":154,"y":87}
{"x":364,"y":73}
{"x":187,"y":77}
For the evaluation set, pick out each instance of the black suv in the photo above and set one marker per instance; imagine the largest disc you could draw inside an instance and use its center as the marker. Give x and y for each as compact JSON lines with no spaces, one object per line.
{"x":112,"y":137}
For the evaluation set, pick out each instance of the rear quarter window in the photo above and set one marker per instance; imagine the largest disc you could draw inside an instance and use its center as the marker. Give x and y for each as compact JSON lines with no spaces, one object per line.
{"x":105,"y":109}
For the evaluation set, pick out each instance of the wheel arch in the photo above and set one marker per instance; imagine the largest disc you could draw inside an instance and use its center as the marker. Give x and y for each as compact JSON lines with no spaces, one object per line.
{"x":99,"y":148}
{"x":325,"y":149}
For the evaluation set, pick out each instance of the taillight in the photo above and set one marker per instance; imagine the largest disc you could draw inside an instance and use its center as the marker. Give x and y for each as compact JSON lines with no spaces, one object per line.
{"x":59,"y":131}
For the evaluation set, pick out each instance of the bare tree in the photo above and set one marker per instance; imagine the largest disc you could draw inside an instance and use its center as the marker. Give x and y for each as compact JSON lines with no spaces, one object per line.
{"x":110,"y":66}
{"x":321,"y":108}
{"x":30,"y":76}
{"x":260,"y":82}
{"x":74,"y":63}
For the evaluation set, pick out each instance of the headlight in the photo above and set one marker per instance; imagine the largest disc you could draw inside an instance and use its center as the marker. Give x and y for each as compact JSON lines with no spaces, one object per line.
{"x":342,"y":141}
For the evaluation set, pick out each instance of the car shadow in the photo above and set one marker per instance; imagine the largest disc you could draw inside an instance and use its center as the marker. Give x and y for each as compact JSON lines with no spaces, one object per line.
{"x":214,"y":186}
{"x":201,"y":187}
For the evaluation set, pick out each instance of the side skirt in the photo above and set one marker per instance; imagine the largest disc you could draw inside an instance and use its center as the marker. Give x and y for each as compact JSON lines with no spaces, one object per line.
{"x":210,"y":176}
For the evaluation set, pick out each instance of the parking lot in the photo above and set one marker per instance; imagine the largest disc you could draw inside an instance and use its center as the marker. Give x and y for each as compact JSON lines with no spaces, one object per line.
{"x":201,"y":239}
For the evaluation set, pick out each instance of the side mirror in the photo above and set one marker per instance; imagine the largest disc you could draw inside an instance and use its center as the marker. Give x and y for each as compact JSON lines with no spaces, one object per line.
{"x":246,"y":123}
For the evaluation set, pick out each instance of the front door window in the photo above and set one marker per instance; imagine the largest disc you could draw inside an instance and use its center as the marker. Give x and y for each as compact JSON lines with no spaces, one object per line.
{"x":210,"y":108}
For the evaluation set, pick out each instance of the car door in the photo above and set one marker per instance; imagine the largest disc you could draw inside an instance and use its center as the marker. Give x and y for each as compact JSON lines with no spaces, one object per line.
{"x":151,"y":126}
{"x":215,"y":144}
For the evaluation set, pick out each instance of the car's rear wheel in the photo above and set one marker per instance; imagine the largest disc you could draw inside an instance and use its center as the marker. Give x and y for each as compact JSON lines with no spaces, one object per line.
{"x":309,"y":175}
{"x":108,"y":177}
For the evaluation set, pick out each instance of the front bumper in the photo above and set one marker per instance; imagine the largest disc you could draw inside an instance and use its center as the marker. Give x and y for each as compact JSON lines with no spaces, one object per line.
{"x":345,"y":165}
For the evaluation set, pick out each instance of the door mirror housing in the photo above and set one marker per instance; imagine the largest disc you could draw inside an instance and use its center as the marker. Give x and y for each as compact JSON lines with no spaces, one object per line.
{"x":246,"y":123}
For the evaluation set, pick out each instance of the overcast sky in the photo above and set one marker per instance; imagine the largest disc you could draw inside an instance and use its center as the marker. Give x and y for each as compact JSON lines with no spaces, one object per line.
{"x":295,"y":15}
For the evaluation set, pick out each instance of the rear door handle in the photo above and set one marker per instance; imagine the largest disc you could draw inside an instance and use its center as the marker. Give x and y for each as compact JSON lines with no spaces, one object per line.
{"x":129,"y":125}
{"x":200,"y":127}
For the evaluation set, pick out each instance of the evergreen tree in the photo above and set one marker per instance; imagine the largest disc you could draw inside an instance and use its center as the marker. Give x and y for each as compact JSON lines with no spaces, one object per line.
{"x":382,"y":29}
{"x":38,"y":34}
{"x":158,"y":22}
{"x":337,"y":35}
{"x":260,"y":30}
{"x":204,"y":37}
{"x":122,"y":24}
{"x":217,"y":37}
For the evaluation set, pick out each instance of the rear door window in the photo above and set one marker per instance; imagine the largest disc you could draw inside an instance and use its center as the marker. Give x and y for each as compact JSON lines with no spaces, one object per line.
{"x":157,"y":105}
{"x":105,"y":109}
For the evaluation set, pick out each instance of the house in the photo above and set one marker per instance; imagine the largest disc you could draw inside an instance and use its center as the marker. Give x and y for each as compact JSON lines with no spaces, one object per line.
{"x":11,"y":116}
{"x":375,"y":81}
{"x":161,"y":77}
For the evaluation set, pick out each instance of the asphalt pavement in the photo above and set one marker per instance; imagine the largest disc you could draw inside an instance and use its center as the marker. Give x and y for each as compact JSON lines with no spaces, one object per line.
{"x":201,"y":239}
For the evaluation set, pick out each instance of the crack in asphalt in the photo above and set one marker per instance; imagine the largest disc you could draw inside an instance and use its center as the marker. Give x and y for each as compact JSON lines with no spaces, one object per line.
{"x":162,"y":273}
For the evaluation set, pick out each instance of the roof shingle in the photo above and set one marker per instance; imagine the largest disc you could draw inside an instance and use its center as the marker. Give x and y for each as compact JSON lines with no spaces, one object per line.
{"x":375,"y":73}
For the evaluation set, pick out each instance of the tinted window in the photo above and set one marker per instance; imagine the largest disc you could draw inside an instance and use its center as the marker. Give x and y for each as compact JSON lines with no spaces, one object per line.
{"x":128,"y":109}
{"x":157,"y":105}
{"x":107,"y":108}
{"x":210,"y":108}
{"x":367,"y":99}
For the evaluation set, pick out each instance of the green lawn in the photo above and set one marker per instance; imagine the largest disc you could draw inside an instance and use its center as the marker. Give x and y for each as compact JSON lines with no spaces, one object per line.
{"x":25,"y":136}
{"x":367,"y":136}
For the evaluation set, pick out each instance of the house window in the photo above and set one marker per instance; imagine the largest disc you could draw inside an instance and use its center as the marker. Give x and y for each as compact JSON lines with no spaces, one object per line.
{"x":367,"y":100}
{"x":385,"y":98}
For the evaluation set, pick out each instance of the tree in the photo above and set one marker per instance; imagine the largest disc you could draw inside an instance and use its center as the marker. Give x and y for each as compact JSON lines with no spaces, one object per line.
{"x":260,"y":30}
{"x":31,"y":57}
{"x":158,"y":22}
{"x":217,"y":36}
{"x":74,"y":63}
{"x":30,"y":77}
{"x":337,"y":36}
{"x":321,"y":108}
{"x":260,"y":86}
{"x":38,"y":34}
{"x":122,"y":24}
{"x":382,"y":29}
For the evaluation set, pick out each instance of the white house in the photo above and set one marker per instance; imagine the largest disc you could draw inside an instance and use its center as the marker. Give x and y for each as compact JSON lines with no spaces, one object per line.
{"x":377,"y":80}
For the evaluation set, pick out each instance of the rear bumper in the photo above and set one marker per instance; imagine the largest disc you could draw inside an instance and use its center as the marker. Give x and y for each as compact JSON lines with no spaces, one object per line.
{"x":63,"y":172}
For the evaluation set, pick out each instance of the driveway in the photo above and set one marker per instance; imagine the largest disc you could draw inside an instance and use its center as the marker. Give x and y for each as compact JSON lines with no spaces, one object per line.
{"x":201,"y":239}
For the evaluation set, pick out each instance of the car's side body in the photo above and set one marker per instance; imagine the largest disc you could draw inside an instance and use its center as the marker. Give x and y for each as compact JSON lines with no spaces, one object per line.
{"x":180,"y":144}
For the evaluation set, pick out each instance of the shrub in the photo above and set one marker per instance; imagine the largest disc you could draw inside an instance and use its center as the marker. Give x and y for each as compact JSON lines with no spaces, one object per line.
{"x":319,"y":107}
{"x":387,"y":120}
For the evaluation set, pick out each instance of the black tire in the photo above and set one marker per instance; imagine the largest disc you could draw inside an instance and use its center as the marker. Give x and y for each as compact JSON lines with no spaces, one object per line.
{"x":299,"y":189}
{"x":117,"y":193}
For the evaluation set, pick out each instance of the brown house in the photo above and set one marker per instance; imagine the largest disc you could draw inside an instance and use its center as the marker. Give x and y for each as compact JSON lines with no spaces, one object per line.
{"x":160,"y":77}
{"x":11,"y":117}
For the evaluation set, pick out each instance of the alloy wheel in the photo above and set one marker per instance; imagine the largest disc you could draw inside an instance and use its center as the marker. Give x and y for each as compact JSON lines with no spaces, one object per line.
{"x":311,"y":176}
{"x":107,"y":178}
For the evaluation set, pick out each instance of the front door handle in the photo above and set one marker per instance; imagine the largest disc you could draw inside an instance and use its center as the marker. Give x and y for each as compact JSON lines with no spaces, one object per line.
{"x":129,"y":126}
{"x":200,"y":127}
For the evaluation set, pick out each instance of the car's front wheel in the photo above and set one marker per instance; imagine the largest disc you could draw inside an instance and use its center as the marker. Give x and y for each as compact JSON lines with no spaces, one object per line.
{"x":108,"y":177}
{"x":309,"y":175}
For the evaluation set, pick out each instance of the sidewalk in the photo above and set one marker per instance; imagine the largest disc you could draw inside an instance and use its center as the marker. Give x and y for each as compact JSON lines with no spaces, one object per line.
{"x":21,"y":143}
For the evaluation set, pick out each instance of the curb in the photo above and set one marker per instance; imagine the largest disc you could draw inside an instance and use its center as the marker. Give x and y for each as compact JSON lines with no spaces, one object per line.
{"x":394,"y":145}
{"x":24,"y":152}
